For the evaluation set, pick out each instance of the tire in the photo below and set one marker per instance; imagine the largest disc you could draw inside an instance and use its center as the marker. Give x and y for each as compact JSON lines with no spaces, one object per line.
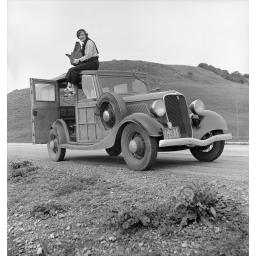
{"x":55,"y":152}
{"x":211,"y":152}
{"x":114,"y":105}
{"x":114,"y":151}
{"x":146,"y":151}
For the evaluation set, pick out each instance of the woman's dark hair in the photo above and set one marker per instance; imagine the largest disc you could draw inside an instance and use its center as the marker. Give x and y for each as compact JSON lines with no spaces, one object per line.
{"x":79,"y":31}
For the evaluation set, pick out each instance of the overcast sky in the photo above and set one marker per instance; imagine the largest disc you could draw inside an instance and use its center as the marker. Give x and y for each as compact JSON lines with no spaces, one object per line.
{"x":169,"y":32}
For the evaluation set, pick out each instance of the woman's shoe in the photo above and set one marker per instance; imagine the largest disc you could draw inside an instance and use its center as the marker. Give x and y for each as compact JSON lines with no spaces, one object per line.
{"x":68,"y":89}
{"x":69,"y":94}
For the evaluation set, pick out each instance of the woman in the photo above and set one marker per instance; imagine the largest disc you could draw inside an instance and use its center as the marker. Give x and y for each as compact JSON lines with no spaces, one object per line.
{"x":88,"y":61}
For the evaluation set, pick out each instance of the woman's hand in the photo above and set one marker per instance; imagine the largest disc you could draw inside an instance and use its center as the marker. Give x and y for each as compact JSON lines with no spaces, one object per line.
{"x":75,"y":61}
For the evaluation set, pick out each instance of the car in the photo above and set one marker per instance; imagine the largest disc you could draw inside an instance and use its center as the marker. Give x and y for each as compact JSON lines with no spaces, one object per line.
{"x":118,"y":111}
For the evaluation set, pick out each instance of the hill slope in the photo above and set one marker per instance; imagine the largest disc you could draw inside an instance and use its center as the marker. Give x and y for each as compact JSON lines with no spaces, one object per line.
{"x":225,"y":97}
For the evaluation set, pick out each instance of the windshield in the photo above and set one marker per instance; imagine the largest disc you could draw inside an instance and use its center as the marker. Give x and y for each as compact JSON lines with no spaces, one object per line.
{"x":123,"y":85}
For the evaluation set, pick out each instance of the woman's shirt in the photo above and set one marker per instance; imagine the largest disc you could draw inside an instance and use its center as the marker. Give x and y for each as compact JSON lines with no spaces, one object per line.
{"x":90,"y":51}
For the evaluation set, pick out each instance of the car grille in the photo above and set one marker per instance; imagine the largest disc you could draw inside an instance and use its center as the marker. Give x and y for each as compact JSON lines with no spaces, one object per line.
{"x":177,"y":114}
{"x":137,"y":108}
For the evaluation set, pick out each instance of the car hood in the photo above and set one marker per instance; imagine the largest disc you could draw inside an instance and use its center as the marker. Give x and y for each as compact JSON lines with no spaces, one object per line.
{"x":149,"y":96}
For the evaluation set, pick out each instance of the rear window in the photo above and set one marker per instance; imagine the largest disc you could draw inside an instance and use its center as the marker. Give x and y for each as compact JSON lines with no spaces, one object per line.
{"x":45,"y":92}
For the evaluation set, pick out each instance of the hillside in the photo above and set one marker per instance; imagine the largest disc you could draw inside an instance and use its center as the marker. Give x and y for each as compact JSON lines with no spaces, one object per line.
{"x":226,"y":97}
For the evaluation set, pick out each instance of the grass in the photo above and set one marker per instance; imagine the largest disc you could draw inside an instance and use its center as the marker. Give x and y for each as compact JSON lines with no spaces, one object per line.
{"x":46,"y":210}
{"x":20,"y":170}
{"x":195,"y":203}
{"x":106,"y":211}
{"x":18,"y":164}
{"x":75,"y":184}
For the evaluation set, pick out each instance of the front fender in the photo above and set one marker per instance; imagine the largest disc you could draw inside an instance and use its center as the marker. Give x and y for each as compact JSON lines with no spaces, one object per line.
{"x":149,"y":124}
{"x":210,"y":121}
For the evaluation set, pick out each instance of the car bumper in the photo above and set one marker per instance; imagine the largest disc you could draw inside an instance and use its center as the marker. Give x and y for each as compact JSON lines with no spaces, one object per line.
{"x":191,"y":142}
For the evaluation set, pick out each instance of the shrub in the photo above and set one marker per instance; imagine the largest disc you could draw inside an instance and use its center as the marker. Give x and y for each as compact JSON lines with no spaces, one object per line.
{"x":235,"y":76}
{"x":46,"y":210}
{"x":20,"y":170}
{"x":16,"y":165}
{"x":134,"y":218}
{"x":194,"y":203}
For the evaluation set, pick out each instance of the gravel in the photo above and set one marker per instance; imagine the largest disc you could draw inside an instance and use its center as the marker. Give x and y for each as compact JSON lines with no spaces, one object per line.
{"x":82,"y":229}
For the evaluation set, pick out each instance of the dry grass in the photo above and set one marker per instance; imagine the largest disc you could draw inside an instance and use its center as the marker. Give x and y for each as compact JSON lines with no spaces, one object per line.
{"x":20,"y":169}
{"x":46,"y":210}
{"x":196,"y":202}
{"x":101,"y":211}
{"x":75,"y":184}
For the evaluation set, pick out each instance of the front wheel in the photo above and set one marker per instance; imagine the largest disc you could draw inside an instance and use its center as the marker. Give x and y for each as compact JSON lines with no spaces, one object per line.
{"x":139,"y":150}
{"x":210,"y":152}
{"x":56,"y":153}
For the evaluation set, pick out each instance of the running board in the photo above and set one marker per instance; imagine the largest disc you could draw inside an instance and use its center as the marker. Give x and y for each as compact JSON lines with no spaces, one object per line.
{"x":78,"y":146}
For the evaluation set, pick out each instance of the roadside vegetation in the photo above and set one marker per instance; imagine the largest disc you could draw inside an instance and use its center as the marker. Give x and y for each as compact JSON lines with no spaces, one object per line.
{"x":95,"y":211}
{"x":20,"y":170}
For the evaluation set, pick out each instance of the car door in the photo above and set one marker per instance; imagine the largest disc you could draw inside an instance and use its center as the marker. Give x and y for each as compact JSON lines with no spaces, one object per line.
{"x":44,"y":108}
{"x":88,"y":129}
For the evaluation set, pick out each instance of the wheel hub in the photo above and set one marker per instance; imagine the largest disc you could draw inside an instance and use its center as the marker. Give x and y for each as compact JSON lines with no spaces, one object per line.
{"x":106,"y":116}
{"x":136,"y":146}
{"x":53,"y":144}
{"x":133,"y":146}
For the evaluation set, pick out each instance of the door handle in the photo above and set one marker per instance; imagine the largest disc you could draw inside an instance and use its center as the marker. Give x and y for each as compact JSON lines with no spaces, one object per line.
{"x":34,"y":113}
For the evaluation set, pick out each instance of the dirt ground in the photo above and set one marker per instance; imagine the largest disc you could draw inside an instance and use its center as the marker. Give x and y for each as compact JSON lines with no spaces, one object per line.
{"x":64,"y":209}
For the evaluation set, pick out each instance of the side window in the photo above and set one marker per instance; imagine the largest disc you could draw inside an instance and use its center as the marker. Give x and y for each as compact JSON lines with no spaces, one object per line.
{"x":45,"y":92}
{"x":88,"y":87}
{"x":138,"y":86}
{"x":120,"y":88}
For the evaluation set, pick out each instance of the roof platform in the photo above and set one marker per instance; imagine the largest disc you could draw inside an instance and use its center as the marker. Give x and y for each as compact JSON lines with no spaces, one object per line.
{"x":104,"y":73}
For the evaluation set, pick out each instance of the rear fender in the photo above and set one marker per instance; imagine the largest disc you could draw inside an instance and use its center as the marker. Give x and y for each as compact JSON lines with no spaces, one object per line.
{"x":210,"y":121}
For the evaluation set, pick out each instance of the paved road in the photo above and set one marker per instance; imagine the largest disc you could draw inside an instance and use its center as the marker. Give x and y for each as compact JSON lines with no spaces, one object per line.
{"x":233,"y":163}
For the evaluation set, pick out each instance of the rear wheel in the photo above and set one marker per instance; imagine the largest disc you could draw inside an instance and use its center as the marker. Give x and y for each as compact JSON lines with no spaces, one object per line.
{"x":56,"y":153}
{"x":210,"y":152}
{"x":139,"y":150}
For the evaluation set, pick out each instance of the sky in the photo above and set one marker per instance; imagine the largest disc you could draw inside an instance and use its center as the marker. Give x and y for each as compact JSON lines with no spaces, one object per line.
{"x":185,"y":32}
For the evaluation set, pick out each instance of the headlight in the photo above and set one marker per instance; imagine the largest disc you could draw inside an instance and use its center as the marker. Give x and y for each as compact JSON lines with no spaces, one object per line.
{"x":197,"y":107}
{"x":158,"y":108}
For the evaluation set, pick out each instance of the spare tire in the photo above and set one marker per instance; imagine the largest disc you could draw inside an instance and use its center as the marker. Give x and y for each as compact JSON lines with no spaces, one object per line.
{"x":110,"y":109}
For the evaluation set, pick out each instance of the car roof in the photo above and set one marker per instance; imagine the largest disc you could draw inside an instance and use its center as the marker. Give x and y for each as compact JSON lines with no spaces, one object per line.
{"x":104,"y":73}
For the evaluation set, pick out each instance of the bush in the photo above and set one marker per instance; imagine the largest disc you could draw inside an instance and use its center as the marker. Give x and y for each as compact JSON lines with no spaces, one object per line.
{"x":134,"y":218}
{"x":20,"y":170}
{"x":16,"y":165}
{"x":197,"y":202}
{"x":46,"y":210}
{"x":194,"y":203}
{"x":234,"y":77}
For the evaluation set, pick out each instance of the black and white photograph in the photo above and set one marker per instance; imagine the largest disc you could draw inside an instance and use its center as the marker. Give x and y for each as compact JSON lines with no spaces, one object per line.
{"x":127,"y":128}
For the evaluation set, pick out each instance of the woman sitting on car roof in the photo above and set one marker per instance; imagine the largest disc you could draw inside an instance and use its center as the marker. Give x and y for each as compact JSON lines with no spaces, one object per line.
{"x":88,"y":61}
